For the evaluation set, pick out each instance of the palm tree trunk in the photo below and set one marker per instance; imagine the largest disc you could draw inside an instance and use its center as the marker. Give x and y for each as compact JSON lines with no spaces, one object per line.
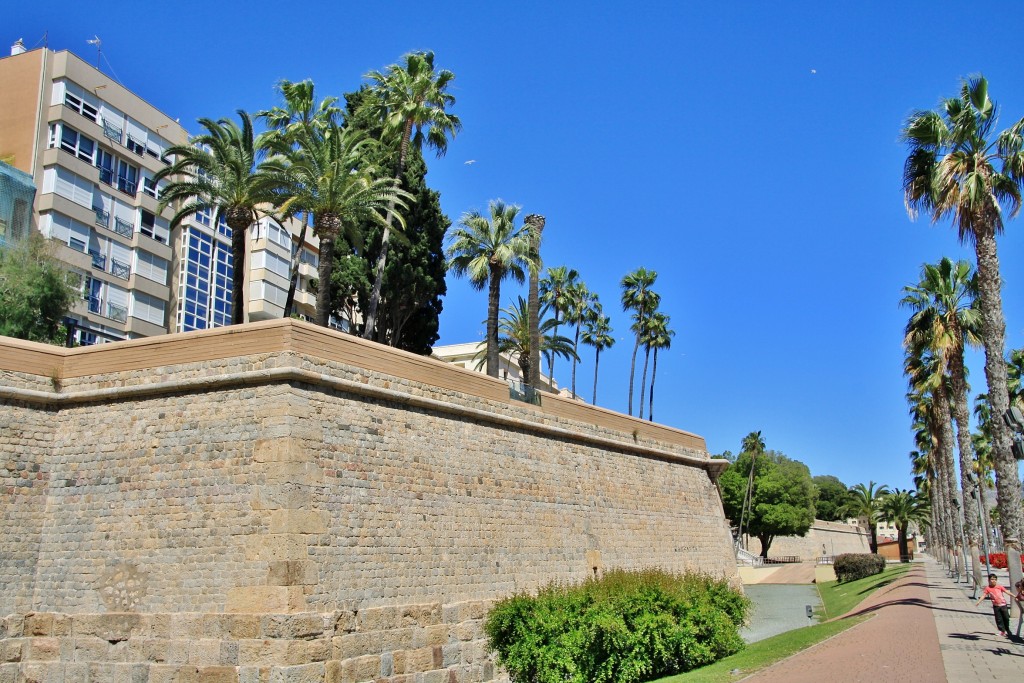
{"x":378,"y":281}
{"x":993,"y":333}
{"x":551,"y":356}
{"x":654,"y":371}
{"x":632,"y":371}
{"x":328,"y":227}
{"x":597,"y":360}
{"x":961,"y":415}
{"x":536,"y":223}
{"x":575,"y":358}
{"x":289,"y":302}
{"x":238,"y":221}
{"x":945,"y":426}
{"x":493,"y":296}
{"x":643,"y":379}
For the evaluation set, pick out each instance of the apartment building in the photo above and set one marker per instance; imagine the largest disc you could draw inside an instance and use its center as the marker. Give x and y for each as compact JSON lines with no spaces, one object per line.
{"x":92,"y":147}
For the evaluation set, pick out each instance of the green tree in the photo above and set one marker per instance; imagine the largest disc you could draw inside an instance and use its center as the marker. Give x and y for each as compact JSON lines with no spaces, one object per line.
{"x":488,"y":249}
{"x":833,"y":498}
{"x":580,"y":301}
{"x":901,"y":509}
{"x":946,"y":319}
{"x":1015,"y":373}
{"x":865,"y":502}
{"x":326,"y":174}
{"x":223,"y":171}
{"x":598,"y":333}
{"x":515,"y":338}
{"x":555,"y":288}
{"x":951,"y":171}
{"x":781,"y":499}
{"x":410,"y":100}
{"x":35,"y":291}
{"x":637,"y":296}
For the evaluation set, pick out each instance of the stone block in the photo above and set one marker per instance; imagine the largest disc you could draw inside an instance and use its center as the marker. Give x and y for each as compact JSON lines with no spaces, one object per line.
{"x":293,"y":572}
{"x":436,"y":635}
{"x":9,"y":673}
{"x":11,"y":649}
{"x":38,"y":624}
{"x":264,"y":599}
{"x":345,"y":622}
{"x":204,"y":652}
{"x":298,"y":522}
{"x":217,"y":674}
{"x":173,"y":673}
{"x":287,"y":496}
{"x":42,"y":649}
{"x":304,"y":651}
{"x":451,"y":654}
{"x":302,"y":673}
{"x":467,"y":630}
{"x":261,"y":652}
{"x":377,"y":618}
{"x":360,"y":669}
{"x":276,"y":547}
{"x":43,"y":673}
{"x":307,"y":625}
{"x":12,"y":626}
{"x":115,"y":626}
{"x":416,"y":661}
{"x":242,"y":625}
{"x":427,"y":614}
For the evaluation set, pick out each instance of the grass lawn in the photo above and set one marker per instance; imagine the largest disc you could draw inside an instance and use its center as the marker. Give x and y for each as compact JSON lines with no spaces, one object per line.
{"x":837,"y":599}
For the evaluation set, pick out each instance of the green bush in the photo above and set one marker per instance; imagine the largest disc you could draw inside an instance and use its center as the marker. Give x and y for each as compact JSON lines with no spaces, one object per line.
{"x":853,"y":566}
{"x":626,"y":626}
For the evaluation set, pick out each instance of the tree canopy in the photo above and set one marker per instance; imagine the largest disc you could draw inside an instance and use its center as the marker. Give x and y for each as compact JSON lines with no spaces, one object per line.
{"x":35,"y":293}
{"x":833,"y":498}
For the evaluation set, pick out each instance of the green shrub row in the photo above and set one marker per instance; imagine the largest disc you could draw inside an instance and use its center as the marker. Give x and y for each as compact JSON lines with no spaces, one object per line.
{"x":625,"y":626}
{"x":853,"y":566}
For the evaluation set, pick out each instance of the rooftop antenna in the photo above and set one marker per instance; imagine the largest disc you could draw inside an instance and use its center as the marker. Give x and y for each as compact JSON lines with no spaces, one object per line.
{"x":98,"y":43}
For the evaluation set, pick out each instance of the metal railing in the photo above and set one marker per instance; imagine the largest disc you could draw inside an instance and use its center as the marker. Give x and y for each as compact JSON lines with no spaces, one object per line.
{"x":520,"y":391}
{"x":121,"y":270}
{"x":102,"y":217}
{"x":111,"y":131}
{"x":118,"y":313}
{"x":99,"y":261}
{"x":123,"y":227}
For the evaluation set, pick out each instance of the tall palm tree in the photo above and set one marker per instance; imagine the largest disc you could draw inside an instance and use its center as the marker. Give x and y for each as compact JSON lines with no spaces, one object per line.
{"x":222,"y":171}
{"x":535,"y":224}
{"x":660,"y":337}
{"x":951,"y":172}
{"x":754,"y":444}
{"x":328,"y":178}
{"x":515,"y":338}
{"x":865,"y":502}
{"x":300,"y":112}
{"x":902,"y":508}
{"x":410,"y":99}
{"x":554,"y":293}
{"x":580,"y":301}
{"x":637,"y":296}
{"x":597,"y":333}
{"x":946,"y":319}
{"x":1015,"y":377}
{"x":488,"y":249}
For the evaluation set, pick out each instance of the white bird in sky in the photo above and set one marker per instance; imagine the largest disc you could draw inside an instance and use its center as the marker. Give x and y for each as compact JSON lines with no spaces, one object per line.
{"x":470,"y":162}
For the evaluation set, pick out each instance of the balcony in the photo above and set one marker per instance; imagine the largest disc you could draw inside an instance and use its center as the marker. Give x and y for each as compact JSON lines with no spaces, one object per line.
{"x":99,"y":261}
{"x":102,"y":217}
{"x":123,"y":228}
{"x":127,"y":186}
{"x":121,"y":270}
{"x":111,"y":131}
{"x":118,"y":313}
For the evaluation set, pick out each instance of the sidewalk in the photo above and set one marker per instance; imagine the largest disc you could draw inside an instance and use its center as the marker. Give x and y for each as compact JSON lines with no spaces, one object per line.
{"x":924,"y":628}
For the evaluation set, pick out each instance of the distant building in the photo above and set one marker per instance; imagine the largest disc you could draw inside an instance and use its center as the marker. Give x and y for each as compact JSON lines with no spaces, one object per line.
{"x":91,"y":147}
{"x":473,"y":356}
{"x":17,"y":193}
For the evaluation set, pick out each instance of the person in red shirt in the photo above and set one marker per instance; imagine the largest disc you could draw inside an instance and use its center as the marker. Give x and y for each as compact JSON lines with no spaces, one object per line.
{"x":1000,"y":607}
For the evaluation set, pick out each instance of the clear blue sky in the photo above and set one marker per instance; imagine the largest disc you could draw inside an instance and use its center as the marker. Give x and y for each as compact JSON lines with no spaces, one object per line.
{"x":748,"y":152}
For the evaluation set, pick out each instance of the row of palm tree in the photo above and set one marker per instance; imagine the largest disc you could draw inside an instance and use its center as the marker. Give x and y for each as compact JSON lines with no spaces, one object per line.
{"x":958,"y":167}
{"x":901,"y":508}
{"x":308,"y":164}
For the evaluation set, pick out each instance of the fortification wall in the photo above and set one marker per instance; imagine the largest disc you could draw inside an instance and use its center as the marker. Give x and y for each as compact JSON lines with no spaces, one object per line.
{"x":824,"y":538}
{"x":282,"y":502}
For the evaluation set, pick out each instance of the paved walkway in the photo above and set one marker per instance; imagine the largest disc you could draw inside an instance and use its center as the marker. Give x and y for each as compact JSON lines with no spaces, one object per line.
{"x":923,"y":628}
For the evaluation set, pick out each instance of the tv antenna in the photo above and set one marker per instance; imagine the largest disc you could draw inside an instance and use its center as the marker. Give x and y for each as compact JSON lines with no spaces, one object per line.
{"x":98,"y":43}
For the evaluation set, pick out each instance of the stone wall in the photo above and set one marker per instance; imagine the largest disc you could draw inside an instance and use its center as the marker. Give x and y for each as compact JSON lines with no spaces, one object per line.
{"x":282,"y":502}
{"x":824,"y":538}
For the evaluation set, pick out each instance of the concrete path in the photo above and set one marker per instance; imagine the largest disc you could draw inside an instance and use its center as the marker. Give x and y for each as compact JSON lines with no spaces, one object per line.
{"x":924,"y":627}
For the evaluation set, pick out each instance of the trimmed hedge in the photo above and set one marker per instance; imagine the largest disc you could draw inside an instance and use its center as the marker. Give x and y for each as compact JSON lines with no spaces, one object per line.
{"x":624,"y":627}
{"x":853,"y":566}
{"x":998,"y":560}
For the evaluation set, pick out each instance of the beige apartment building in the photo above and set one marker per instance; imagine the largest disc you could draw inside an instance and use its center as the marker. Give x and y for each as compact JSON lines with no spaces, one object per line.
{"x":92,"y":148}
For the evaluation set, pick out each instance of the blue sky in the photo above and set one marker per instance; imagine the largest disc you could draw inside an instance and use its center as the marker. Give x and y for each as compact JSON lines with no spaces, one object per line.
{"x":747,"y":152}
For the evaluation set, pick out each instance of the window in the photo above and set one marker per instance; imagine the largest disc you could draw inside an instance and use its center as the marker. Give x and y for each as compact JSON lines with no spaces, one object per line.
{"x":150,"y":188}
{"x":68,"y":185}
{"x":151,"y":266}
{"x":148,"y":308}
{"x":272,"y":262}
{"x":134,"y":145}
{"x":127,"y":177}
{"x":105,"y":161}
{"x":153,"y":227}
{"x":310,"y":258}
{"x":280,"y":237}
{"x":222,"y":226}
{"x":204,"y":216}
{"x":222,"y":287}
{"x":73,"y":142}
{"x":77,"y":103}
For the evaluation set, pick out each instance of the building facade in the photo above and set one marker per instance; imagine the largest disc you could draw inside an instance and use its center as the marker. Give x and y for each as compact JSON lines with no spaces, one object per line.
{"x":91,"y":147}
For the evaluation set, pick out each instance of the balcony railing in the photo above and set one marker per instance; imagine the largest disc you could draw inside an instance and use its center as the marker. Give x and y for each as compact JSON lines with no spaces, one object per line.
{"x":127,"y":186}
{"x":121,"y":270}
{"x":102,"y":217}
{"x":118,"y":313}
{"x":99,"y":261}
{"x":123,"y":228}
{"x":520,"y":391}
{"x":111,"y":131}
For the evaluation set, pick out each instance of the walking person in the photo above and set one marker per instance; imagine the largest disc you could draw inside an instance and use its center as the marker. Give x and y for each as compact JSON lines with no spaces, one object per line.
{"x":1019,"y":599}
{"x":1000,"y":607}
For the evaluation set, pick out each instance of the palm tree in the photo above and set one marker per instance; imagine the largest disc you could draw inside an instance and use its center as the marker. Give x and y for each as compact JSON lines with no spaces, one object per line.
{"x":754,"y":444}
{"x":328,"y":178}
{"x":1015,"y":374}
{"x":597,"y":333}
{"x":410,"y":99}
{"x":946,"y":320}
{"x":951,"y":172}
{"x":865,"y":502}
{"x":222,"y":170}
{"x":554,"y":293}
{"x":487,"y":250}
{"x":902,"y":508}
{"x":515,"y":340}
{"x":637,"y":296}
{"x":300,"y":112}
{"x":535,"y":224}
{"x":580,"y":301}
{"x":659,"y":337}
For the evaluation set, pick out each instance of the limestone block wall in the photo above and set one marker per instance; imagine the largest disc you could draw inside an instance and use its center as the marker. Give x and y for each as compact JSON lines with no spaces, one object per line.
{"x":824,"y":538}
{"x":281,"y":502}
